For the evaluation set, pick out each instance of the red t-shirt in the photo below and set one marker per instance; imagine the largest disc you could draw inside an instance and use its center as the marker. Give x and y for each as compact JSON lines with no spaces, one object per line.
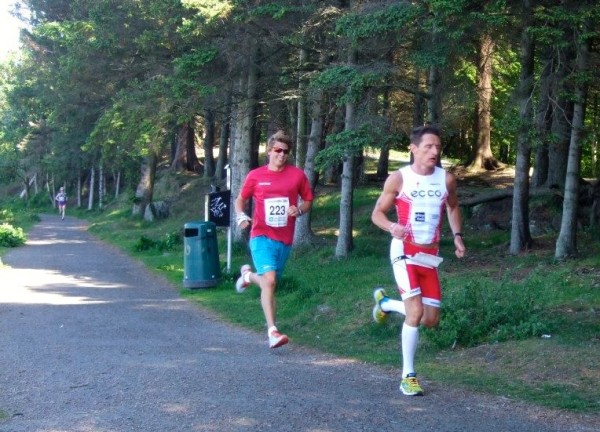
{"x":274,"y":192}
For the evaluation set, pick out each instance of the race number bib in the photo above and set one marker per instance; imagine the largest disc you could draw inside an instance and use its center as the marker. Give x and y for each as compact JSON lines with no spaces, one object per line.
{"x":276,"y":211}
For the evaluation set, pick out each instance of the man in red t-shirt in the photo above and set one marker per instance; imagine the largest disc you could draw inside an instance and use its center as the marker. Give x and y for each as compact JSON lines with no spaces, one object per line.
{"x":275,"y":190}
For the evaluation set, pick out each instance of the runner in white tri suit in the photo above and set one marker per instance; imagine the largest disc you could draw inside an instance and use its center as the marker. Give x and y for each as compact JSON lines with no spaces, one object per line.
{"x":420,"y":206}
{"x":421,"y":193}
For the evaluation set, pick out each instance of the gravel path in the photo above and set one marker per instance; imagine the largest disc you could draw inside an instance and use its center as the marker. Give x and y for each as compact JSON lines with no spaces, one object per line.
{"x":91,"y":342}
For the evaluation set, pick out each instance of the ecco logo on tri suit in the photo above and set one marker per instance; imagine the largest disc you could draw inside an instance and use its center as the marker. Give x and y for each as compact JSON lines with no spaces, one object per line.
{"x":426,"y":193}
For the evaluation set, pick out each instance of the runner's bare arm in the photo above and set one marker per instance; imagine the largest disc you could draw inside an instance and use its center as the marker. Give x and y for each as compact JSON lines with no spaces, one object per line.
{"x":385,"y":203}
{"x":454,"y":215}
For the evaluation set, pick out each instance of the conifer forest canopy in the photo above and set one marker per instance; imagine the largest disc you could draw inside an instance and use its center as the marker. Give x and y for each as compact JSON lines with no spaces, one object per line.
{"x":104,"y":92}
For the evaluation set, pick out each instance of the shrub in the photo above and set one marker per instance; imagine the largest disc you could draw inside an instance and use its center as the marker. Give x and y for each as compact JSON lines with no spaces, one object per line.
{"x":144,"y":244}
{"x":11,"y":236}
{"x":169,"y":243}
{"x":479,"y":312}
{"x":6,"y":216}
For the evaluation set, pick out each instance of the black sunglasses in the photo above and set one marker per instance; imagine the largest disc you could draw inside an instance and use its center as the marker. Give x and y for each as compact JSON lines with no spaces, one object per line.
{"x":280,"y":150}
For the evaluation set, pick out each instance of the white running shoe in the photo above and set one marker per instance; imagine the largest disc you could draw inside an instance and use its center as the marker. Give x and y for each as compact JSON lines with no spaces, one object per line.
{"x":277,"y":339}
{"x":241,"y":284}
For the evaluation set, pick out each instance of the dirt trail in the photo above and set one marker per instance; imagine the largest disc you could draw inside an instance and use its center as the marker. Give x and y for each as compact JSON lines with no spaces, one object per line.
{"x":90,"y":341}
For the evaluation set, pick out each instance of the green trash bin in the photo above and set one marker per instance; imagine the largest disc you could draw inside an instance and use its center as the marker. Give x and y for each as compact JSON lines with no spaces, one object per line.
{"x":201,"y":268}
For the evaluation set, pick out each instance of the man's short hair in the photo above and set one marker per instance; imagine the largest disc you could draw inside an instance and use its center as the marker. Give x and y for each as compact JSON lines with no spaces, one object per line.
{"x":279,"y":136}
{"x":417,"y":133}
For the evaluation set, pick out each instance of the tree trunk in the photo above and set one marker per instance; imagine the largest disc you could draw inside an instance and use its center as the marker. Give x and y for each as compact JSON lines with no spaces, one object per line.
{"x":566,"y":244}
{"x":561,"y":122}
{"x":543,"y":121}
{"x":50,"y":193}
{"x":383,"y":163}
{"x":301,"y":146}
{"x":303,"y":232}
{"x":26,"y":191}
{"x":209,"y":142}
{"x":332,"y":172}
{"x":483,"y":157}
{"x":434,"y":103}
{"x":434,"y":90}
{"x":345,"y":242}
{"x":79,"y":187}
{"x":185,"y":157}
{"x":224,"y":138}
{"x":145,"y":188}
{"x":558,"y":150}
{"x":178,"y":153}
{"x":242,"y":152}
{"x":418,"y":101}
{"x":520,"y":237}
{"x":92,"y":188}
{"x":595,"y":210}
{"x":117,"y":180}
{"x":189,"y":141}
{"x":101,"y":189}
{"x":594,"y":143}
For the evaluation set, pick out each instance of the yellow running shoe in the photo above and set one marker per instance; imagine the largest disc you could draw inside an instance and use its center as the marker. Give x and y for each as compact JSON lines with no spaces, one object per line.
{"x":379,"y":316}
{"x":410,"y":386}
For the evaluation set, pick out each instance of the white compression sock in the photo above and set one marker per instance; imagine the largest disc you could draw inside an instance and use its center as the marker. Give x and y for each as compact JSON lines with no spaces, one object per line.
{"x":410,"y":339}
{"x":389,"y":305}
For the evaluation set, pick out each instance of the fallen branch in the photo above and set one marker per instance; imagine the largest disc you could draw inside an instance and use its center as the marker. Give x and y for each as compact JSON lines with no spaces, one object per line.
{"x":498,"y":195}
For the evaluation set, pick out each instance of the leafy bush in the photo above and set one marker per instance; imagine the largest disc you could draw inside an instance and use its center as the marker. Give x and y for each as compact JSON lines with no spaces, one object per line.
{"x":479,"y":312}
{"x":40,"y":201}
{"x":11,"y":236}
{"x":172,"y":241}
{"x":144,"y":244}
{"x":6,"y":216}
{"x":169,"y":243}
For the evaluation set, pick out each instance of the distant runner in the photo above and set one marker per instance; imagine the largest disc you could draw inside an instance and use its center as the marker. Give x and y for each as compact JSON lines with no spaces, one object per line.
{"x":61,"y":200}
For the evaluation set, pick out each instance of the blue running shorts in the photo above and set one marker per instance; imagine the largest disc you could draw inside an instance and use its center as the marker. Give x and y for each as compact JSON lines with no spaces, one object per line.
{"x":269,"y":255}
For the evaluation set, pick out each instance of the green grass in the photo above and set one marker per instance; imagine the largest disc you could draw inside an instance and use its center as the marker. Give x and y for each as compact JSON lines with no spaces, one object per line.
{"x":524,"y":327}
